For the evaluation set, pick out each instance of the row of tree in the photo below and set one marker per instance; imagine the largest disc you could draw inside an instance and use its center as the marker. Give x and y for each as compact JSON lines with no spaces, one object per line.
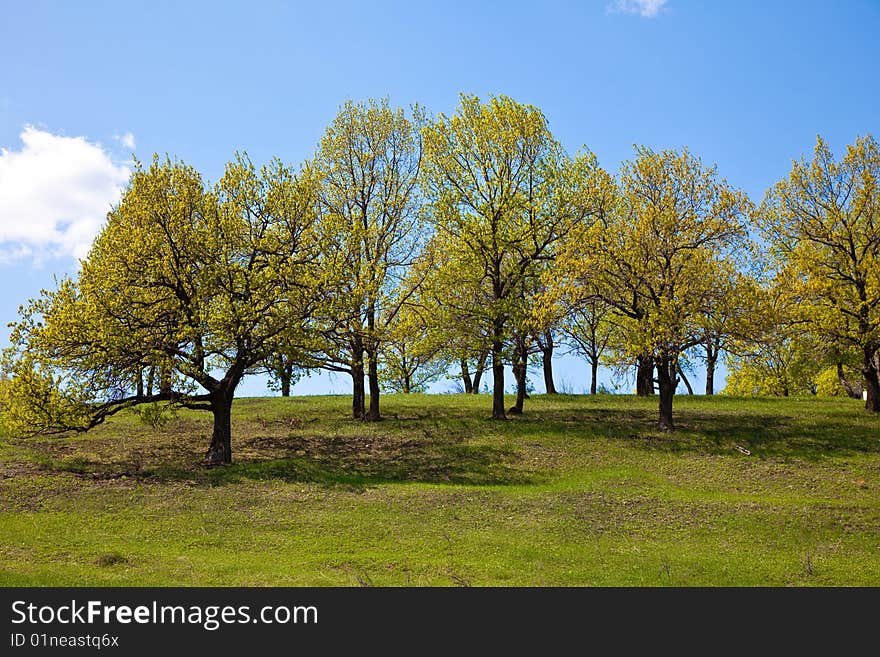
{"x":411,"y":245}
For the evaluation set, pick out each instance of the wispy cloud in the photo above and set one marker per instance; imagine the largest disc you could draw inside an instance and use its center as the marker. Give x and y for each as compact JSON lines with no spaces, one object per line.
{"x":127,"y":140}
{"x":643,"y":8}
{"x":54,"y":195}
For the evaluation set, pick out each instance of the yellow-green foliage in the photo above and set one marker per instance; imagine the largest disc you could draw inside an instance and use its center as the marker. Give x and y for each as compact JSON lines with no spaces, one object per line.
{"x":828,"y":382}
{"x":502,"y":193}
{"x":368,"y":161}
{"x":823,"y":223}
{"x":183,"y":280}
{"x":655,"y":255}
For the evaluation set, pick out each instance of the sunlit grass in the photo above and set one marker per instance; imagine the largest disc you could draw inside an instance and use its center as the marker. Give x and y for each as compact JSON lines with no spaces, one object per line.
{"x":579,"y":491}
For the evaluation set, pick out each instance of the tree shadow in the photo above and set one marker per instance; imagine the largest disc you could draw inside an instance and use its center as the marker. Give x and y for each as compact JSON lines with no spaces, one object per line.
{"x":349,"y":461}
{"x":440,"y":450}
{"x":705,"y":432}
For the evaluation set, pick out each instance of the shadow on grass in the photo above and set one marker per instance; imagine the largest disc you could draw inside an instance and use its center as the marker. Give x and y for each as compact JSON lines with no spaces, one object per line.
{"x":349,"y":461}
{"x":439,"y":450}
{"x":763,"y":434}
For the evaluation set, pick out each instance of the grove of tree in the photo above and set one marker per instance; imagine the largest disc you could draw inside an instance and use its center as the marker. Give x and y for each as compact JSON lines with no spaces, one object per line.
{"x":413,"y":248}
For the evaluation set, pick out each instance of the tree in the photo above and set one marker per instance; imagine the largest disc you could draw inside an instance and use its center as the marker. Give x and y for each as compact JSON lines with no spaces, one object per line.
{"x":283,"y":372}
{"x":412,"y":356}
{"x":588,"y":330}
{"x":778,"y":366}
{"x":651,"y":258}
{"x":369,"y":158}
{"x":470,"y":384}
{"x":729,"y":314}
{"x":501,"y":195}
{"x":197,"y":285}
{"x":823,"y":224}
{"x":773,"y":352}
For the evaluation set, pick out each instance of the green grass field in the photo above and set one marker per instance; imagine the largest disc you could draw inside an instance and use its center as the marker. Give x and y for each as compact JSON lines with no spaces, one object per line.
{"x":579,"y":491}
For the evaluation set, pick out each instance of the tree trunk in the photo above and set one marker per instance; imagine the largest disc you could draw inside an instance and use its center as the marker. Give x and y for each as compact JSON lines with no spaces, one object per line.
{"x":140,"y":383}
{"x":519,"y":372}
{"x":666,"y":381}
{"x":165,"y":380}
{"x":684,"y":379}
{"x":644,"y":376}
{"x":711,"y":361}
{"x":372,"y":350}
{"x":478,"y":373}
{"x":466,"y":377}
{"x":547,"y":362}
{"x":498,"y":377}
{"x":872,"y":380}
{"x":220,"y":450}
{"x":358,"y":395}
{"x":285,"y":373}
{"x":407,"y":384}
{"x":594,"y":374}
{"x":151,"y":378}
{"x":373,"y":414}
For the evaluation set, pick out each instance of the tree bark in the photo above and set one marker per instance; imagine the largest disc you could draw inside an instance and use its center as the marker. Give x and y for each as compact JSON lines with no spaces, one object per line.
{"x":165,"y":380}
{"x":358,"y":395}
{"x":478,"y":373}
{"x":711,"y":362}
{"x":373,"y":414}
{"x":220,"y":450}
{"x":140,"y":383}
{"x":151,"y":378}
{"x":872,"y":380}
{"x":547,"y":362}
{"x":498,"y":375}
{"x":667,"y":383}
{"x":594,"y":374}
{"x":519,"y":372}
{"x":466,"y":377}
{"x":712,"y":346}
{"x":372,"y":350}
{"x":644,"y":376}
{"x":285,"y":373}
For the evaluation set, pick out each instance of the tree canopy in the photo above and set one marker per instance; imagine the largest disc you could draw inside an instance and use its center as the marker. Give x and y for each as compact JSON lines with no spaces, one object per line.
{"x":823,"y":225}
{"x":410,"y":244}
{"x":502,"y":192}
{"x":653,"y":255}
{"x":189,"y":287}
{"x":369,"y":160}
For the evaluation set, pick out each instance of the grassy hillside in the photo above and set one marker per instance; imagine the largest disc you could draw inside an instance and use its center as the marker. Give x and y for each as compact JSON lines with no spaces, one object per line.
{"x":579,"y":491}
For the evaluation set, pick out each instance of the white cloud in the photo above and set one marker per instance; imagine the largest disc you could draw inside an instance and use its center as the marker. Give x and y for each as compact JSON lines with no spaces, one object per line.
{"x":55,"y":193}
{"x":127,"y":140}
{"x":644,"y":8}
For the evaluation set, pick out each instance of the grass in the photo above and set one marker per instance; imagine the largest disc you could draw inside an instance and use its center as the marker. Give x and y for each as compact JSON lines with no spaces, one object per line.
{"x":579,"y":491}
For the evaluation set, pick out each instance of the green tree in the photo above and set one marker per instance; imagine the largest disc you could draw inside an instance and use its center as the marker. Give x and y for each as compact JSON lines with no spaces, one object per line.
{"x":728,"y":314}
{"x":774,"y":355}
{"x":369,"y":158}
{"x":651,"y":259}
{"x":501,"y":195}
{"x":449,"y":309}
{"x":283,"y":371}
{"x":197,"y":285}
{"x":589,"y":331}
{"x":823,"y":224}
{"x":412,"y":356}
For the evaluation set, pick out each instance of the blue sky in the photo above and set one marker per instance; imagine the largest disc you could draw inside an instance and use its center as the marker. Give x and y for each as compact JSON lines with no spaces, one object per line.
{"x":744,"y":84}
